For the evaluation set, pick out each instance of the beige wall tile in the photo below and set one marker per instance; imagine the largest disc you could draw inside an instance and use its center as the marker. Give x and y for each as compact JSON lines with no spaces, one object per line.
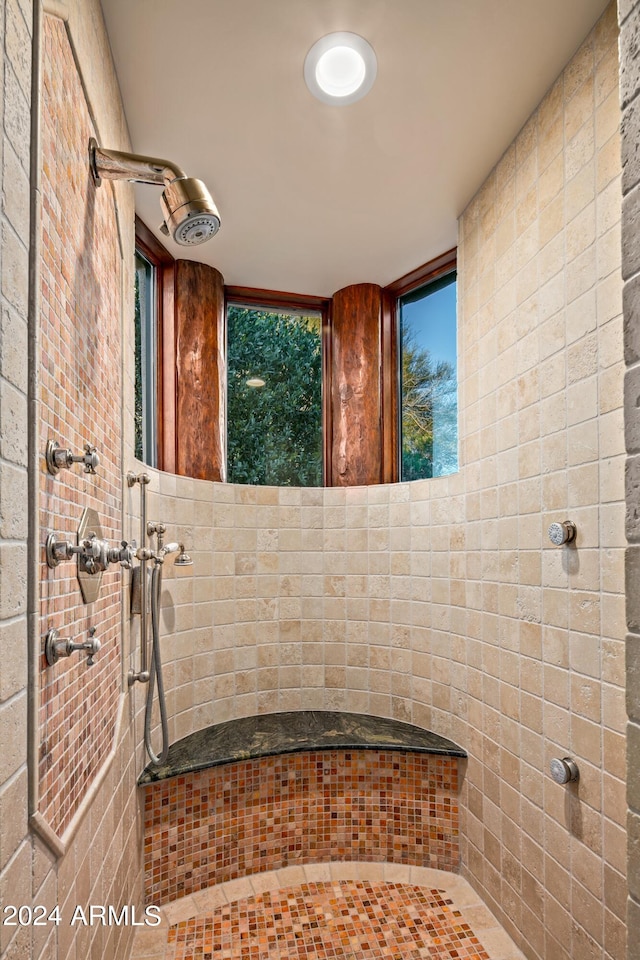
{"x":441,"y":602}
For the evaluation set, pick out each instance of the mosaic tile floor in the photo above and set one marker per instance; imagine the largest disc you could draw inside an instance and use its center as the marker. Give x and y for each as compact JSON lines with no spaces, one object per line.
{"x":338,"y":911}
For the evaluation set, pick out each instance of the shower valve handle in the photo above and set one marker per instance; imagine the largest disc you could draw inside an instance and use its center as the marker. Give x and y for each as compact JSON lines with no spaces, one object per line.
{"x":57,"y":458}
{"x":90,"y":459}
{"x":87,"y":550}
{"x":124,"y":554}
{"x":91,"y":554}
{"x":92,"y":645}
{"x":94,"y":554}
{"x":56,"y":646}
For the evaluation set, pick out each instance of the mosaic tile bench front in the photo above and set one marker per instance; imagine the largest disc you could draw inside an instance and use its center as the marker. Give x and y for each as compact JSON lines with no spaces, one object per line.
{"x":245,"y":816}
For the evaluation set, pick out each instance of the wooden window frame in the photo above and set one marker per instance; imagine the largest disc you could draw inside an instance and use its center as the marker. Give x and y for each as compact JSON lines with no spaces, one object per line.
{"x":164,"y":265}
{"x":391,"y":373}
{"x":421,"y":276}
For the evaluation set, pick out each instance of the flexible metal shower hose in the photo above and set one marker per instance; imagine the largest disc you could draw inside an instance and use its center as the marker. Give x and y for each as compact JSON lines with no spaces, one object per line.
{"x":155,"y":673}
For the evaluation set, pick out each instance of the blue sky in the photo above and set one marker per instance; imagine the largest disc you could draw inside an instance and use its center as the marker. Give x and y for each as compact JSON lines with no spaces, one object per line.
{"x":432,"y":321}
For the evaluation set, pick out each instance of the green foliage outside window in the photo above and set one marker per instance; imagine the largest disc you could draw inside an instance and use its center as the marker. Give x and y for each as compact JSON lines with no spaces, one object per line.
{"x":274,"y":432}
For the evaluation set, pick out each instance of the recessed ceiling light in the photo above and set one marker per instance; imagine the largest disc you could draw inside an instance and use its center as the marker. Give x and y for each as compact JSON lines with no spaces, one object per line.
{"x":340,"y":68}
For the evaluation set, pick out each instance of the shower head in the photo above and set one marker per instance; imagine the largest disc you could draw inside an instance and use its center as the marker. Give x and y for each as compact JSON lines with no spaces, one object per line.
{"x":190,"y":215}
{"x":182,"y":560}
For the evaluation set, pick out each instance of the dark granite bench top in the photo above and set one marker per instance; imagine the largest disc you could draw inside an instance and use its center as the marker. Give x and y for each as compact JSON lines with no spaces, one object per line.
{"x":273,"y":734}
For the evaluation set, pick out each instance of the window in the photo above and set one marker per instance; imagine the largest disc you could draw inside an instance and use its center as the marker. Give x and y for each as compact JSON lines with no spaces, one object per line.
{"x":154,"y":354}
{"x":274,"y":396}
{"x":428,"y":378}
{"x":356,"y":388}
{"x":146,"y":353}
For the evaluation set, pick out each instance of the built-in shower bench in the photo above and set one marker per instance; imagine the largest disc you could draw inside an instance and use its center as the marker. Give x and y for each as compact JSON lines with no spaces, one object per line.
{"x":264,"y":792}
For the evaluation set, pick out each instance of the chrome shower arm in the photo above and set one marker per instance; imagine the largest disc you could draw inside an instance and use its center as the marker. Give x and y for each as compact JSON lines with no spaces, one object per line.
{"x":188,"y":211}
{"x":117,"y":165}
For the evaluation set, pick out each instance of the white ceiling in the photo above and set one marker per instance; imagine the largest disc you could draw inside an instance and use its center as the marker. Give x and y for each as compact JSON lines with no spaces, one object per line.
{"x":314,"y":197}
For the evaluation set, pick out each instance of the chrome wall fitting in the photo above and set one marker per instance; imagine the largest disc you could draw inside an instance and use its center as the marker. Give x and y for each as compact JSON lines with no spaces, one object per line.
{"x":57,"y":550}
{"x":57,"y":458}
{"x":154,"y":526}
{"x":560,"y":533}
{"x":150,"y":670}
{"x":56,"y":646}
{"x":123,"y":554}
{"x":94,"y":555}
{"x":189,"y":213}
{"x":92,"y":551}
{"x":143,"y":554}
{"x":136,"y":591}
{"x":141,"y":595}
{"x":564,"y":770}
{"x":141,"y":478}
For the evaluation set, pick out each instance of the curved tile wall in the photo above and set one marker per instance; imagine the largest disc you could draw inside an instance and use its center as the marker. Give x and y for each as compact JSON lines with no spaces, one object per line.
{"x":443,"y":602}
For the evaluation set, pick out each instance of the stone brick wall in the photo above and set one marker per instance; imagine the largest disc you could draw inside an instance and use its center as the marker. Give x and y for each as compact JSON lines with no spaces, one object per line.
{"x":629,"y":17}
{"x":102,"y":859}
{"x":15,"y":85}
{"x":542,"y":430}
{"x":80,"y":371}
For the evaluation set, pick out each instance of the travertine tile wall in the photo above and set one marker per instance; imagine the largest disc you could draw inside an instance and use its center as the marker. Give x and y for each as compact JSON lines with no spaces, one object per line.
{"x":438,"y":602}
{"x":443,"y":602}
{"x":629,"y":15}
{"x":543,"y":441}
{"x":102,"y":860}
{"x":15,"y":85}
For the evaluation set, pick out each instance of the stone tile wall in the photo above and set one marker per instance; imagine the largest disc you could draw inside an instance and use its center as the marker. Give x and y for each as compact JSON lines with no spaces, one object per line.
{"x":629,"y":15}
{"x":543,"y":441}
{"x":102,"y":858}
{"x":443,"y":602}
{"x":440,"y":603}
{"x":15,"y":88}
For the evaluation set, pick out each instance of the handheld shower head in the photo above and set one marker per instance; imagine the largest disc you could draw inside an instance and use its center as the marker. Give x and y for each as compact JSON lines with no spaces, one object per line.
{"x":182,"y":560}
{"x":190,"y":215}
